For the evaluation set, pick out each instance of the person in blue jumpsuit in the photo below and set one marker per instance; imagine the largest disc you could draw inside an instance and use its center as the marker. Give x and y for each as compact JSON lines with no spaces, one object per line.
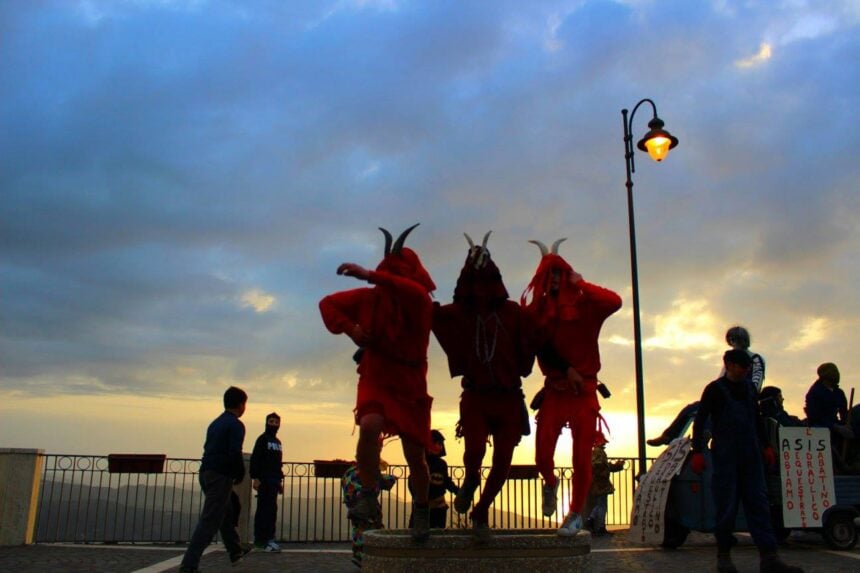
{"x":738,"y":447}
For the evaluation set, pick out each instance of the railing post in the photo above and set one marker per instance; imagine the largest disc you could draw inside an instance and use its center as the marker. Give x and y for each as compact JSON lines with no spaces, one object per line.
{"x":20,"y":480}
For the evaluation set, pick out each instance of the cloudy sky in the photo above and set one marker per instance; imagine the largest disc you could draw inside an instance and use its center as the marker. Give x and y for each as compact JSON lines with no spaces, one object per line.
{"x":180,"y":180}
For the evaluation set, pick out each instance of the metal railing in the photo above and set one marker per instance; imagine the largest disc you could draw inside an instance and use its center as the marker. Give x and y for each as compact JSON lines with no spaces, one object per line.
{"x":83,"y":501}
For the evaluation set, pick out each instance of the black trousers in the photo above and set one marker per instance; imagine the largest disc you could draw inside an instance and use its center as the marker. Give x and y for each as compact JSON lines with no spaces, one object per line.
{"x":267,"y":511}
{"x":217,"y":515}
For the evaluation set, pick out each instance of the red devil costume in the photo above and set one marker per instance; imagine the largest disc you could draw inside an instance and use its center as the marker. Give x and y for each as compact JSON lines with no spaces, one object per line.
{"x":487,"y":340}
{"x":569,"y":313}
{"x":390,"y":323}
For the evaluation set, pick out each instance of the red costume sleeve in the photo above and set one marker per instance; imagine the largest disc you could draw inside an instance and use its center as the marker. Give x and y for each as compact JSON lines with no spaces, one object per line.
{"x":602,"y":301}
{"x":342,"y":310}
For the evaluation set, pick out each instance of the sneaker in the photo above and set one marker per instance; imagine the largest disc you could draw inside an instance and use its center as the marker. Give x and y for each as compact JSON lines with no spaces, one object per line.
{"x":571,"y":525}
{"x":235,"y":558}
{"x":366,"y":509}
{"x":481,"y":531}
{"x":272,"y":547}
{"x":420,"y":523}
{"x":550,"y":499}
{"x":463,"y":499}
{"x":662,"y":440}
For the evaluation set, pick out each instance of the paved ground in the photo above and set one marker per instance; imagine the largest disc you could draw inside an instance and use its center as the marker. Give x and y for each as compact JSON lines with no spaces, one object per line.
{"x":613,"y":554}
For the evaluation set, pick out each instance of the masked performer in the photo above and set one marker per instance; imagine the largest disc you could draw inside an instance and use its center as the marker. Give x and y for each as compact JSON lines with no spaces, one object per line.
{"x":569,"y":312}
{"x":390,"y":322}
{"x":486,"y":337}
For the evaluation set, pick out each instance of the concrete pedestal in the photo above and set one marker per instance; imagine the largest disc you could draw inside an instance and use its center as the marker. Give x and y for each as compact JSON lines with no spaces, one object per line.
{"x":455,"y":550}
{"x":20,"y":481}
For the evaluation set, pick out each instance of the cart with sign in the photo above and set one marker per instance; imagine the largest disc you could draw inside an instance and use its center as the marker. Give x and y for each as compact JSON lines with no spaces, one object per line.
{"x":804,"y":494}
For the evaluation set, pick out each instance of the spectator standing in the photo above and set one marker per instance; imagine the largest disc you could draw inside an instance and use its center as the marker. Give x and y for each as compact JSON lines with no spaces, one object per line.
{"x":221,"y":467}
{"x":267,"y":477}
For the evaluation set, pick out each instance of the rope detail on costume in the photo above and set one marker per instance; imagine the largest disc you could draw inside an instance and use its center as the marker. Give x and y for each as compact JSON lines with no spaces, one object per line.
{"x":486,"y":351}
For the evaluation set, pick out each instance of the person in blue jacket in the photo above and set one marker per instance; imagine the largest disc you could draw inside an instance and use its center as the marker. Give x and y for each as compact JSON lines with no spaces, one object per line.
{"x":221,"y":467}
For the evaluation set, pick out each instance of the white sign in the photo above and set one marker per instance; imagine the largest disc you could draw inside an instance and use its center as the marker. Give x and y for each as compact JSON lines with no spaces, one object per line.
{"x":806,"y":469}
{"x":649,"y":504}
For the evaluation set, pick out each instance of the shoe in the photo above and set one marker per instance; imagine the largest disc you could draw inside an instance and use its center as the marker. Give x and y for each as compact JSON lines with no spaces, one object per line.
{"x":259,"y":546}
{"x":550,"y":499}
{"x":184,"y":569}
{"x":663,"y":440}
{"x":589,"y":525}
{"x":272,"y":547}
{"x":481,"y":531}
{"x":571,"y":525}
{"x":601,"y":531}
{"x":235,"y":558}
{"x":366,"y":509}
{"x":771,"y":563}
{"x":463,"y":499}
{"x":420,"y":523}
{"x":724,"y":563}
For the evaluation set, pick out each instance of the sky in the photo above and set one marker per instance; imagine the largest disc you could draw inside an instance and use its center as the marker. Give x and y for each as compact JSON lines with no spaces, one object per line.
{"x":179,"y":181}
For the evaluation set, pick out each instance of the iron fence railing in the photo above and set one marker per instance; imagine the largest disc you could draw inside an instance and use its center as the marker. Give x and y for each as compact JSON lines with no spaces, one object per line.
{"x":82,"y":500}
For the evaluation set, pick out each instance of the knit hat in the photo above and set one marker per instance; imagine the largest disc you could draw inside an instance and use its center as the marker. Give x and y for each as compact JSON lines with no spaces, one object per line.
{"x":829,"y":372}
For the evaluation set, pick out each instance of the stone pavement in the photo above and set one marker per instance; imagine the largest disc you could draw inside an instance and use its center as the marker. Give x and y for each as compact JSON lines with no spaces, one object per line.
{"x":612,"y":554}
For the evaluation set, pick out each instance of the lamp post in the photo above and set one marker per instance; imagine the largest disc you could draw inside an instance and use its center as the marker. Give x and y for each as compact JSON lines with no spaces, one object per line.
{"x":657,"y":142}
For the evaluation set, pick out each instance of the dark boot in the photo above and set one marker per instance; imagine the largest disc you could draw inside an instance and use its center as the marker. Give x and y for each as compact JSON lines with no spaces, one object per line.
{"x":421,"y":523}
{"x":724,"y":562}
{"x":662,"y":440}
{"x":463,"y":499}
{"x":366,"y":508}
{"x":771,"y":563}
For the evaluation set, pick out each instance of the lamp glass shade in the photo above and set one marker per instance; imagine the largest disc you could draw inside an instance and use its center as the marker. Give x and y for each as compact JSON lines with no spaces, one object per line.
{"x":658,"y":147}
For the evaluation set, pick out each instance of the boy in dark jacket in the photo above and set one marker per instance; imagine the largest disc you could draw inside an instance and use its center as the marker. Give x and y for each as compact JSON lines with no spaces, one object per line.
{"x":221,"y":467}
{"x":268,"y":482}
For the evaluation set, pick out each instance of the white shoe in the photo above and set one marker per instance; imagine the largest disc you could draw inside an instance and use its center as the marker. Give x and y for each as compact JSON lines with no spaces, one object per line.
{"x":571,"y":525}
{"x":272,"y":547}
{"x":550,"y":499}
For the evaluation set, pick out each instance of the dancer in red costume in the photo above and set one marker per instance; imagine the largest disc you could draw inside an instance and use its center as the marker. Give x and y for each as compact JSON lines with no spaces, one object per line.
{"x":569,"y":313}
{"x":487,"y":340}
{"x":390,"y":323}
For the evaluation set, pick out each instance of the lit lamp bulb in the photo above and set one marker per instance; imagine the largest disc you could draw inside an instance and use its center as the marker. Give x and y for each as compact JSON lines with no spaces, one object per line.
{"x":658,"y":141}
{"x":658,"y":147}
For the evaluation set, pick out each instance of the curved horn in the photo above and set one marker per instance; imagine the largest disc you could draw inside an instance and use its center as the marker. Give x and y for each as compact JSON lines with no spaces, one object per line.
{"x":484,"y":242}
{"x":555,"y":245}
{"x":398,"y":244}
{"x":469,"y":240}
{"x":543,"y":250}
{"x":387,"y":240}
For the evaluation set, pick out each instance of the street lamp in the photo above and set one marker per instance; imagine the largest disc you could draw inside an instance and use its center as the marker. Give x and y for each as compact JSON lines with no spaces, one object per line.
{"x":657,"y":142}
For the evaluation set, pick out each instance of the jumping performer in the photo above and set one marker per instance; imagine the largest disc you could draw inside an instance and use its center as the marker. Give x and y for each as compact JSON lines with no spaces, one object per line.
{"x":487,"y":340}
{"x":390,"y":323}
{"x":569,"y":312}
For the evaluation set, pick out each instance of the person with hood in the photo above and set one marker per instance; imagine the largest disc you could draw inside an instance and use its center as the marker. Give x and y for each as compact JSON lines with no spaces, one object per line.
{"x":267,"y":479}
{"x":440,"y":483}
{"x":351,"y":487}
{"x":601,"y":485}
{"x":740,"y":451}
{"x":826,"y":405}
{"x":487,"y":339}
{"x":390,"y":323}
{"x":569,"y":313}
